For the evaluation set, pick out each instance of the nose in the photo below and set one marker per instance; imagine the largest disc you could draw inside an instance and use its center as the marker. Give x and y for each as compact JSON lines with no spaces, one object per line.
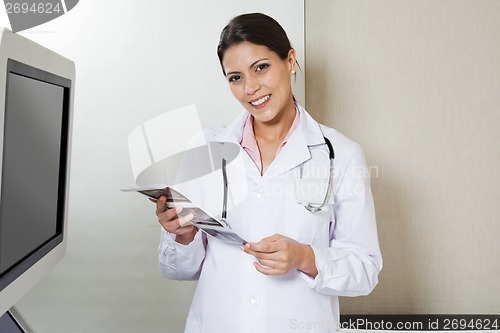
{"x":252,"y":85}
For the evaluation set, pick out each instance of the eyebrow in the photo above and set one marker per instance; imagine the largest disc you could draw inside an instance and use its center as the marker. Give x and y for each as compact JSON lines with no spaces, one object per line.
{"x":251,"y":65}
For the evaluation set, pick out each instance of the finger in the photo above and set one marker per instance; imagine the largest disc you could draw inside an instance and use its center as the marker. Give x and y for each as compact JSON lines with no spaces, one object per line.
{"x":169,"y":219}
{"x":269,"y":263}
{"x":161,"y":204}
{"x":266,"y":270}
{"x":184,"y":220}
{"x":263,"y":246}
{"x":250,"y":248}
{"x":172,"y":223}
{"x":261,"y":255}
{"x":268,"y":244}
{"x":170,"y":213}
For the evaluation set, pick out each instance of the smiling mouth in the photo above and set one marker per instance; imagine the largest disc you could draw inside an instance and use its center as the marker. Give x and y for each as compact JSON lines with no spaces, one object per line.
{"x":260,"y":101}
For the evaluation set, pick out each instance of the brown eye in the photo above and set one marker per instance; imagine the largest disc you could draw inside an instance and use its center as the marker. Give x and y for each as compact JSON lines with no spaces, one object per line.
{"x":261,"y":67}
{"x":234,"y":78}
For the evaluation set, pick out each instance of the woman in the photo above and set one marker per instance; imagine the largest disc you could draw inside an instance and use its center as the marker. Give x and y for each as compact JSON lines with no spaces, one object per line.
{"x":297,"y":261}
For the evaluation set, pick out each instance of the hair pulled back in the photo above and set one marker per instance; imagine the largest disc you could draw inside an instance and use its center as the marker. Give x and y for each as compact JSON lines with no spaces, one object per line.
{"x":255,"y":28}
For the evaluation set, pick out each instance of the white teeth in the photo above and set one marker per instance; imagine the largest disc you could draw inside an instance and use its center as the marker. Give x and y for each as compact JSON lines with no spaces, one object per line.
{"x":260,"y":101}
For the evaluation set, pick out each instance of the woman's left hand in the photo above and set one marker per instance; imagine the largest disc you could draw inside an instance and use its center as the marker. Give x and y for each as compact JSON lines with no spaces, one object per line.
{"x":278,"y":255}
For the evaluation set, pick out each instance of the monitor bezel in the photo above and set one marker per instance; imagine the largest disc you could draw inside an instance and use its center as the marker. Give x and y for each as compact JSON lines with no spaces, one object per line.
{"x":25,"y":70}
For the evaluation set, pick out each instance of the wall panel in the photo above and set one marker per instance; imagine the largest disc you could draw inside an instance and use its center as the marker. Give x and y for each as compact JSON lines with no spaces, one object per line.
{"x":417,"y":84}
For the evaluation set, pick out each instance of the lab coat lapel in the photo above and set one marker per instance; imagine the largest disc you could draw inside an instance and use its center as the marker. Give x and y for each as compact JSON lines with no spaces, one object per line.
{"x":296,"y":151}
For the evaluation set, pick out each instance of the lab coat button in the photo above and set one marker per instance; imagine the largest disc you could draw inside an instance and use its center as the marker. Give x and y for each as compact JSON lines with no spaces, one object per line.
{"x":254,"y":301}
{"x":260,"y":196}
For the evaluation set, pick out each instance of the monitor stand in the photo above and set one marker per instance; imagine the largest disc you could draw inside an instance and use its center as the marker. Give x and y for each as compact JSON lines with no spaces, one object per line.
{"x":13,"y":322}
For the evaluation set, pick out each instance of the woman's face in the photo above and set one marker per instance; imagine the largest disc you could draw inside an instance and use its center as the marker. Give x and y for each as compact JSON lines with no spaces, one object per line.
{"x":260,"y":80}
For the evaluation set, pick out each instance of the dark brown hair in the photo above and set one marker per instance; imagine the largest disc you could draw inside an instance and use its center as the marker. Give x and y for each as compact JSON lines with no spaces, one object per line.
{"x":256,"y":28}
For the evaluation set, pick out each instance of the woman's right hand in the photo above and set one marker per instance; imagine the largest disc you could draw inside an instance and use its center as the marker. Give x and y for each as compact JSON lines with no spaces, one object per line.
{"x":174,"y":224}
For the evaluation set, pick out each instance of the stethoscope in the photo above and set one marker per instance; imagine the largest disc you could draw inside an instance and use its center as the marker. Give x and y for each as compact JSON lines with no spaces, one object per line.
{"x":317,"y":208}
{"x":310,"y":207}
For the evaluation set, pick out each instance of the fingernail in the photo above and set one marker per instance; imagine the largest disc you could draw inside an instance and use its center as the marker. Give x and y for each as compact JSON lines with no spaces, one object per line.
{"x":178,"y":209}
{"x":247,"y":245}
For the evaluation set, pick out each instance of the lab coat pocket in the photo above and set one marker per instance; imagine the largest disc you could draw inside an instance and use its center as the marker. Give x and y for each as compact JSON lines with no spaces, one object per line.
{"x":305,"y":226}
{"x":312,"y":192}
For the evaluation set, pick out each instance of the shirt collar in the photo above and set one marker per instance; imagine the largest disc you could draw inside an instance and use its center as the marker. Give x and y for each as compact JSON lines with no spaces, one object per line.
{"x":248,"y":138}
{"x":307,"y":126}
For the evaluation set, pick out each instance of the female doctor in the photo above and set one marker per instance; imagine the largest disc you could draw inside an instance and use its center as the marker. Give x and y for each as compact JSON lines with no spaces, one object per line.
{"x":302,"y":252}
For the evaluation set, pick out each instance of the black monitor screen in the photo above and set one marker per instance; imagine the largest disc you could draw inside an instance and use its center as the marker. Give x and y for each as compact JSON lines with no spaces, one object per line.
{"x":9,"y":325}
{"x":33,"y":167}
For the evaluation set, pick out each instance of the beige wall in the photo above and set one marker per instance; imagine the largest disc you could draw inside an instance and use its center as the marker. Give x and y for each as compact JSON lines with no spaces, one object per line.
{"x":417,"y":84}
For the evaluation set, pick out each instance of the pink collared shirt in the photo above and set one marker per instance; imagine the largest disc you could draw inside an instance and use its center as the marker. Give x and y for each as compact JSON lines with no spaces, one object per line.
{"x":249,"y":143}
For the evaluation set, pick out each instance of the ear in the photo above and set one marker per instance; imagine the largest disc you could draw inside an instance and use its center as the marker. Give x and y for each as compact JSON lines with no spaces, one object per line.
{"x":292,"y":61}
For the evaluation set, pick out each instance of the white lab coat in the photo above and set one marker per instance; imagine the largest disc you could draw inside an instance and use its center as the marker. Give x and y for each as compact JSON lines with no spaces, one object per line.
{"x":231,"y":295}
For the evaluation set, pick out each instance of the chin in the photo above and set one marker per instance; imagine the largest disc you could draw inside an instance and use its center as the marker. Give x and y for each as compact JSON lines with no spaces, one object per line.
{"x":263,"y":116}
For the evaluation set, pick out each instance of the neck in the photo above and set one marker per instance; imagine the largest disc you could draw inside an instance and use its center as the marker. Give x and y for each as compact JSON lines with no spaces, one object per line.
{"x":276,"y":130}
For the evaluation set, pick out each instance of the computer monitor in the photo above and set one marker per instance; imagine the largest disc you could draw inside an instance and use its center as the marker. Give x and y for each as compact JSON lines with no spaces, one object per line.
{"x":36,"y":108}
{"x":13,"y":322}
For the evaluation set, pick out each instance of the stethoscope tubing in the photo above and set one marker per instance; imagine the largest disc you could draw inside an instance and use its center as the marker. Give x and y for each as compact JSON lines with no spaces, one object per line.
{"x":309,"y":207}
